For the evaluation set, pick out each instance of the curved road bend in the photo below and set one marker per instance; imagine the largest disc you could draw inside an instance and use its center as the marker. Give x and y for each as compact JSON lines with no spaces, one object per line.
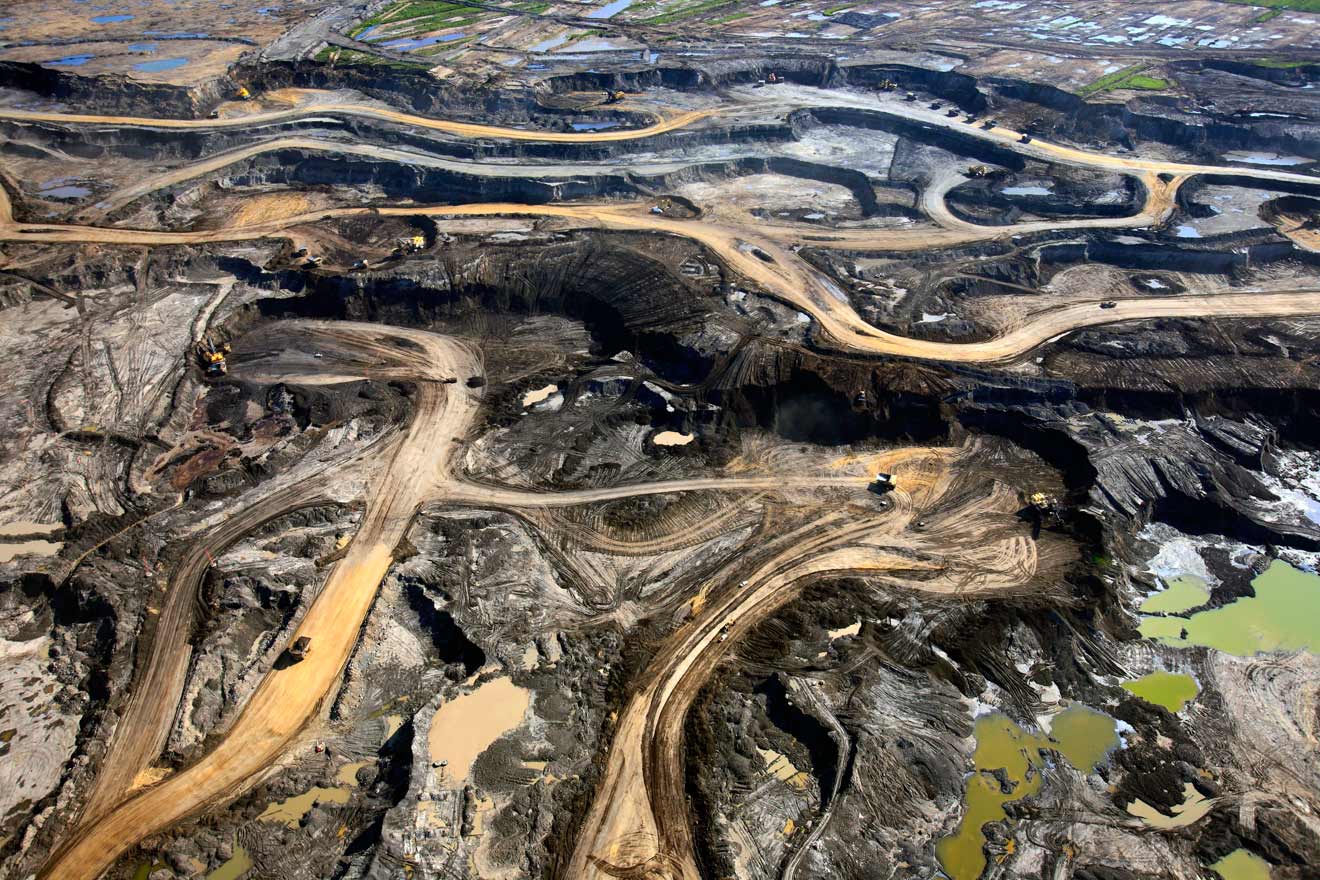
{"x":288,"y":699}
{"x":158,"y":685}
{"x":783,"y":276}
{"x":461,"y":129}
{"x":638,"y":824}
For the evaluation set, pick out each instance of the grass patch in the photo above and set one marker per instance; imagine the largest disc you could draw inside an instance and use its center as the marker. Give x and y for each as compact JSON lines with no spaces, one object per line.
{"x":728,"y":18}
{"x":1131,"y":77}
{"x":1295,"y":5}
{"x":354,"y":58}
{"x":686,"y":12}
{"x":1279,"y":63}
{"x":842,"y":7}
{"x":424,"y":15}
{"x":1141,"y":81}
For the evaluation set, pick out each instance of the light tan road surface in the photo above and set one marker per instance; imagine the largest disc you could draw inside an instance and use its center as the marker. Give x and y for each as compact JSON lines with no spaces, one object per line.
{"x":461,"y":129}
{"x":288,"y":699}
{"x":638,"y":825}
{"x":779,"y":272}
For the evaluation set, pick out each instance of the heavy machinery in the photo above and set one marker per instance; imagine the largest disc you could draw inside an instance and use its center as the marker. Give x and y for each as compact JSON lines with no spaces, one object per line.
{"x":410,"y":245}
{"x":773,"y":78}
{"x":212,"y":357}
{"x":243,"y":94}
{"x":1043,"y":502}
{"x":886,"y":85}
{"x":1109,"y":304}
{"x":978,"y":171}
{"x":614,"y":96}
{"x":910,"y":97}
{"x":299,"y":649}
{"x":1025,"y":139}
{"x":882,"y":483}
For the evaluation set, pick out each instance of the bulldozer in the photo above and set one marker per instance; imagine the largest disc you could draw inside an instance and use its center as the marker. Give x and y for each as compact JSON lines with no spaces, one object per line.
{"x":1044,"y":503}
{"x":212,"y":357}
{"x":614,"y":96}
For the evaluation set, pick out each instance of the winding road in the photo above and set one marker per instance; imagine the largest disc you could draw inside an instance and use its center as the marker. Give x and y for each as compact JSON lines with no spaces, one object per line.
{"x":289,"y":699}
{"x":638,"y":822}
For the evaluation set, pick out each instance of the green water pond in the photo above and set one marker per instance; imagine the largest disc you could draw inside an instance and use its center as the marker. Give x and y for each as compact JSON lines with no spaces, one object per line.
{"x":1081,"y":735}
{"x":1182,"y":594}
{"x":1242,"y":865}
{"x":1280,"y":617}
{"x":1172,"y":690}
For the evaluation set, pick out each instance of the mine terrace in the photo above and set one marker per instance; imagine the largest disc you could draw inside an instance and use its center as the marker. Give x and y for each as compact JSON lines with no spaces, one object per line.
{"x":659,"y":439}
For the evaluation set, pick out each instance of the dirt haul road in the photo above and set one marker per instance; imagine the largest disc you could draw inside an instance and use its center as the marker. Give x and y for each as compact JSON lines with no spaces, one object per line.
{"x":290,"y":698}
{"x":145,"y":722}
{"x":767,"y":262}
{"x":314,"y":109}
{"x":781,"y":273}
{"x":638,"y":824}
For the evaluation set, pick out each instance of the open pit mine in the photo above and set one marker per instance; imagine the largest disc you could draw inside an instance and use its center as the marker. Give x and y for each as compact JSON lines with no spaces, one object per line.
{"x":659,"y":440}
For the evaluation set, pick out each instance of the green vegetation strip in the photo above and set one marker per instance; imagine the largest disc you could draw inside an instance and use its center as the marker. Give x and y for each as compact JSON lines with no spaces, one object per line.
{"x":1130,"y":77}
{"x":1280,"y":63}
{"x":422,"y":16}
{"x":1296,"y":5}
{"x":687,"y":12}
{"x":352,"y":57}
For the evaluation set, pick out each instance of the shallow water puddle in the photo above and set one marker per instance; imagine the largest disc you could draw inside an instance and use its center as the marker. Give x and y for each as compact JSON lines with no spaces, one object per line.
{"x":238,"y":865}
{"x":1083,"y":736}
{"x":851,"y":629}
{"x":1194,"y":806}
{"x":531,"y":398}
{"x":672,"y":438}
{"x":1242,"y":865}
{"x":1280,"y":617}
{"x":779,"y":766}
{"x":291,"y":811}
{"x":464,"y":728}
{"x":1172,"y":690}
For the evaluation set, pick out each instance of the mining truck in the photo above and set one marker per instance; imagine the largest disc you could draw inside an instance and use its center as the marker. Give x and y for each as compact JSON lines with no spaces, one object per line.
{"x":298,"y":650}
{"x":882,"y":483}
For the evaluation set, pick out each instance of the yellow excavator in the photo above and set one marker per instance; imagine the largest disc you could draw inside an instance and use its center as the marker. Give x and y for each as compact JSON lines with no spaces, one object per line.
{"x":1044,"y":503}
{"x":212,"y":357}
{"x":614,"y":96}
{"x":242,"y":94}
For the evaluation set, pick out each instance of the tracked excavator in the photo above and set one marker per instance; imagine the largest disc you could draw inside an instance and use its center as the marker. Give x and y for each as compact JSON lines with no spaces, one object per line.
{"x":614,"y":96}
{"x":212,"y":357}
